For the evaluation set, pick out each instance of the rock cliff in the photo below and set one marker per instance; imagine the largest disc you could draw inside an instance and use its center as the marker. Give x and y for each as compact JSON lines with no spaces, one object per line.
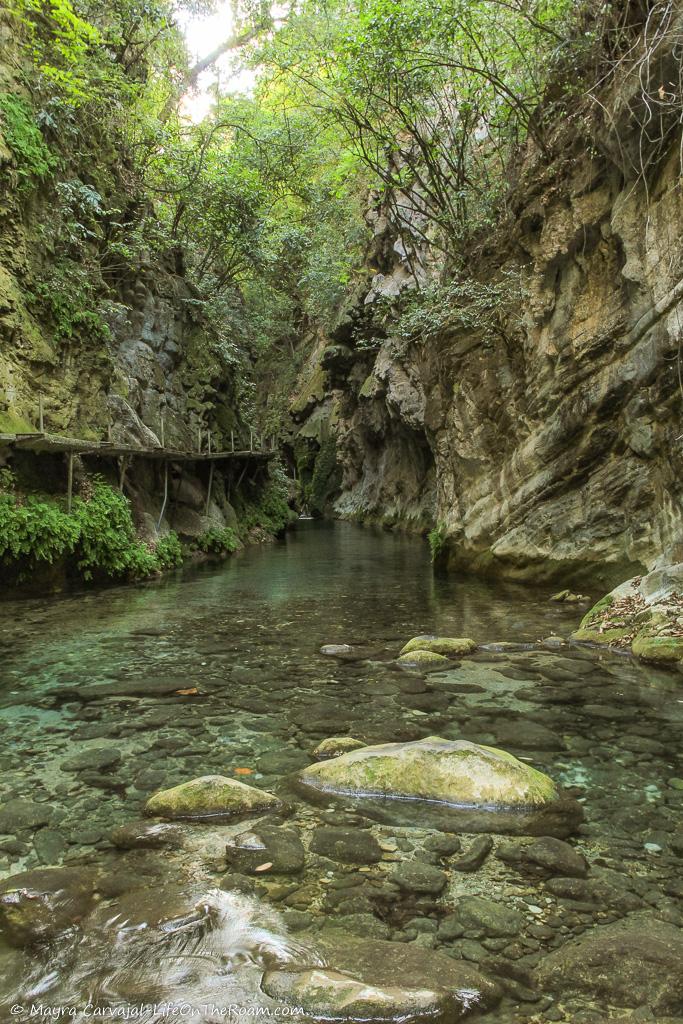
{"x":543,"y":436}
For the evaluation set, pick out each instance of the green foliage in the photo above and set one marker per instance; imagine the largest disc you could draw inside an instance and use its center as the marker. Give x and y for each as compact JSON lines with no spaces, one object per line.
{"x":34,"y":159}
{"x":34,"y":531}
{"x":107,"y":541}
{"x":325,"y":477}
{"x":435,"y":97}
{"x":218,"y":541}
{"x":168,"y":552}
{"x":98,"y":535}
{"x":270,"y":511}
{"x":8,"y":479}
{"x":486,"y":308}
{"x":437,"y":538}
{"x":68,"y":300}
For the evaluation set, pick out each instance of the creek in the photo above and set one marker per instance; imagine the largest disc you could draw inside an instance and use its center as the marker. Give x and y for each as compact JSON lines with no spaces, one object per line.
{"x":111,"y":695}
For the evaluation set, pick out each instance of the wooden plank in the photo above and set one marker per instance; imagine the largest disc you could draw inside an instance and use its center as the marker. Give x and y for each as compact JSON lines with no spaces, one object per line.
{"x":45,"y":443}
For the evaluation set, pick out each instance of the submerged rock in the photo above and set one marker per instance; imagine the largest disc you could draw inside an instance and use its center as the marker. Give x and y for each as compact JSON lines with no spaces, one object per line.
{"x":556,"y":857}
{"x":147,"y":835}
{"x":36,"y":906}
{"x":336,"y":650}
{"x":485,"y":918}
{"x":633,"y":963}
{"x":278,"y":847}
{"x":383,"y":964}
{"x":333,"y":746}
{"x":346,"y":845}
{"x":418,"y":877}
{"x":92,"y":759}
{"x":329,"y":995}
{"x":19,"y":815}
{"x":474,"y":856}
{"x":211,"y":796}
{"x":448,"y":646}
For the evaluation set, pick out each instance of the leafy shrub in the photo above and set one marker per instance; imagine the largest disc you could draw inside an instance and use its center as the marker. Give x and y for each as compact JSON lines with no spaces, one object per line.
{"x":217,"y":541}
{"x":34,"y":530}
{"x":168,"y":552}
{"x":68,"y":296}
{"x":7,"y":479}
{"x":99,"y":534}
{"x":23,"y":136}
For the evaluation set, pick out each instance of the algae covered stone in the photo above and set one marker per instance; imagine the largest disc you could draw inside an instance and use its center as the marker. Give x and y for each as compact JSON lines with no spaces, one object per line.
{"x":333,"y":746}
{"x":422,"y":659}
{"x":447,"y":646}
{"x":453,"y":772}
{"x":211,"y":796}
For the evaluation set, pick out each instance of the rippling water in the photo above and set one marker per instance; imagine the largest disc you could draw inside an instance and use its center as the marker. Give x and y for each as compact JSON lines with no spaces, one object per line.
{"x":92,"y":723}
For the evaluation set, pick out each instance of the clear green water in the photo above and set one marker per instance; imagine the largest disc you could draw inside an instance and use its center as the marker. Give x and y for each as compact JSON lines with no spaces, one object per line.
{"x":100,"y":670}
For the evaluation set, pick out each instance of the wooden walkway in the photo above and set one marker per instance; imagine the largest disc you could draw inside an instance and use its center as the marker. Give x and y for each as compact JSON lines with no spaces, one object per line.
{"x":55,"y":443}
{"x":42,"y":443}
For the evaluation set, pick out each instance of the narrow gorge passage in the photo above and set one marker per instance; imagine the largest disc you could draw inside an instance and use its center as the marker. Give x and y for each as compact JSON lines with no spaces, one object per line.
{"x":341,"y":511}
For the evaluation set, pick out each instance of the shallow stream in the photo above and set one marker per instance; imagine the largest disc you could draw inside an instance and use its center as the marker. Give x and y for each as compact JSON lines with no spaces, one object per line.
{"x":94,"y":719}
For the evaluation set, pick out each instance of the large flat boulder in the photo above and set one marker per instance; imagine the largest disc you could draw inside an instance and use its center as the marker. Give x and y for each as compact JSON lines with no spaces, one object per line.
{"x":452,"y":771}
{"x":482,"y":788}
{"x":210,"y":797}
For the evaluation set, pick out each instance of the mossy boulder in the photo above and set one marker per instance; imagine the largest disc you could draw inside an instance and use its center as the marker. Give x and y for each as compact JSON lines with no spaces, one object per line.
{"x":658,"y":649}
{"x":644,"y":613}
{"x":596,"y":626}
{"x":448,"y":646}
{"x":453,"y":772}
{"x":422,"y":659}
{"x":211,"y":796}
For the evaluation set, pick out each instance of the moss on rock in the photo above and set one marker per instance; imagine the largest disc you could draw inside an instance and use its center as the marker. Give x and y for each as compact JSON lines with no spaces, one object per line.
{"x":457,"y":773}
{"x":448,"y":646}
{"x":658,"y":649}
{"x":422,"y":659}
{"x":211,"y":796}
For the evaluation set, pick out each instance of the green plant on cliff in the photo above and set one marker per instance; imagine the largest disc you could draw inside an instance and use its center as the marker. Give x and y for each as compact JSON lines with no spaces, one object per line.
{"x":438,"y":538}
{"x":68,"y":300}
{"x":486,"y":308}
{"x":34,"y":159}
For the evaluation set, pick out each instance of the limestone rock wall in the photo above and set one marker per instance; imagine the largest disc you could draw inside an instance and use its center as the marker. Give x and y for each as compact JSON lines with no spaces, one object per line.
{"x":550,"y":447}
